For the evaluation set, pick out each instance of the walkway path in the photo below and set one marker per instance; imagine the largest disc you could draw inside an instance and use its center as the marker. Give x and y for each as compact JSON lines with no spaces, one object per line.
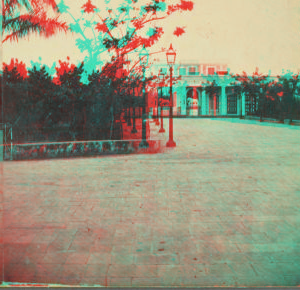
{"x":222,"y":208}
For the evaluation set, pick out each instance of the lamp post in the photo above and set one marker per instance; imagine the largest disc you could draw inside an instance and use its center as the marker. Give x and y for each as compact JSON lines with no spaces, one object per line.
{"x":144,"y":56}
{"x":126,"y":61}
{"x":134,"y":130}
{"x":129,"y":111}
{"x":171,"y":56}
{"x":161,"y":130}
{"x":261,"y":100}
{"x":157,"y":116}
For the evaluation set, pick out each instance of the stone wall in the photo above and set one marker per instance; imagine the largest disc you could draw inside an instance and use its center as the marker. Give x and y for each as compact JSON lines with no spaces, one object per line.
{"x":76,"y":149}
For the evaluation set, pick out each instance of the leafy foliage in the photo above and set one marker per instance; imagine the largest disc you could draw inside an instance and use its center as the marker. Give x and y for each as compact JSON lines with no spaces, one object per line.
{"x":18,"y":24}
{"x":36,"y":102}
{"x":270,"y":98}
{"x":120,"y":31}
{"x":179,"y":31}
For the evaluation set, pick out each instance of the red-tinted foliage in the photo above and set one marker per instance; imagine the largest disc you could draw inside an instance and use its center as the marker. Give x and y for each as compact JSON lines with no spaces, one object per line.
{"x":187,"y":5}
{"x":64,"y":67}
{"x":22,"y":18}
{"x":38,"y":3}
{"x":182,"y":6}
{"x":148,"y":42}
{"x":49,"y":25}
{"x":256,"y":77}
{"x":137,"y":23}
{"x":179,"y":31}
{"x":270,"y":97}
{"x":20,"y":66}
{"x":102,"y":27}
{"x":88,"y":7}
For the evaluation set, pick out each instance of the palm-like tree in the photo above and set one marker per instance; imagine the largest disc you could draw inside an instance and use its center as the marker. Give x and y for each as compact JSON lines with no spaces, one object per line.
{"x":23,"y":17}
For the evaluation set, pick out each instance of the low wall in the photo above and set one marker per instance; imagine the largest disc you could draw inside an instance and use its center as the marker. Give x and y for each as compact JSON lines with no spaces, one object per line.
{"x":77,"y":149}
{"x":286,"y":121}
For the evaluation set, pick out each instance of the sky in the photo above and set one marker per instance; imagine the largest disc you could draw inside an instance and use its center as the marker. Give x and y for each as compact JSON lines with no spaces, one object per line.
{"x":244,"y":34}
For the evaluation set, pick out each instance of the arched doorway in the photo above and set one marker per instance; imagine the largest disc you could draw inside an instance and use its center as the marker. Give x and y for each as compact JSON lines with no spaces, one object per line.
{"x":193,"y":101}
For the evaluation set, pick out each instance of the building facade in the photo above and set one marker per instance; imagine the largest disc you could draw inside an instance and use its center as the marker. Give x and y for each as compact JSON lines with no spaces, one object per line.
{"x":199,"y":89}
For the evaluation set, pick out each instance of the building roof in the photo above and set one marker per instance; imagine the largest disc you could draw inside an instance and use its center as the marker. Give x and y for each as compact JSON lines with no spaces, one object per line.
{"x":189,"y":62}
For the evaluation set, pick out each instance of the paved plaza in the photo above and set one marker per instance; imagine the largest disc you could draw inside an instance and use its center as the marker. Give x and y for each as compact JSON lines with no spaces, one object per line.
{"x":222,"y":208}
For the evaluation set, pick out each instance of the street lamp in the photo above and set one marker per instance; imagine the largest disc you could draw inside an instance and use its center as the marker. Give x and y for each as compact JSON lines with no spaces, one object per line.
{"x":171,"y":56}
{"x":161,"y":130}
{"x":126,"y":61}
{"x":261,"y":101}
{"x":144,"y":56}
{"x":134,"y":130}
{"x":157,"y":116}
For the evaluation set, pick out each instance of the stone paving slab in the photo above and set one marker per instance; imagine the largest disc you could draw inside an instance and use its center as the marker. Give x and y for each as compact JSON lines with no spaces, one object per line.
{"x":219,"y":209}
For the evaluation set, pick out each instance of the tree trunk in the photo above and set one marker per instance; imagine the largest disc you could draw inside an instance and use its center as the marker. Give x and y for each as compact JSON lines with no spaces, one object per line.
{"x":261,"y":108}
{"x":291,"y":110}
{"x":280,"y":112}
{"x":84,"y":122}
{"x":261,"y":117}
{"x":112,"y":121}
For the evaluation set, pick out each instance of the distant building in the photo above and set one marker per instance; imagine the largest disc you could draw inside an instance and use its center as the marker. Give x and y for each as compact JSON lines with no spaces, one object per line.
{"x":189,"y":94}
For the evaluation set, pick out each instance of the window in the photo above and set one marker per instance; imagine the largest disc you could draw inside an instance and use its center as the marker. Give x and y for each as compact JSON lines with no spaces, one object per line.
{"x":182,"y":71}
{"x":163,"y":71}
{"x":211,"y":71}
{"x":192,"y":70}
{"x":232,"y":104}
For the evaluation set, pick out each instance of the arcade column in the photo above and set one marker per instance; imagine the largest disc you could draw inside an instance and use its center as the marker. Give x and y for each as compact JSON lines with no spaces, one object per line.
{"x":224,"y":100}
{"x":199,"y":100}
{"x":238,"y":104}
{"x":243,"y":105}
{"x":183,"y":103}
{"x":203,"y":105}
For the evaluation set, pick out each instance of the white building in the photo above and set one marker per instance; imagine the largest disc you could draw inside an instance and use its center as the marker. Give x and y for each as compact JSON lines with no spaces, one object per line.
{"x":190,"y":96}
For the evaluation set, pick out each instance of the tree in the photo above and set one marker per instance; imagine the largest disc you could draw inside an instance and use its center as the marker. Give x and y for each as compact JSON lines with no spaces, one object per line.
{"x":21,"y":18}
{"x":14,"y":86}
{"x":289,"y":82}
{"x":70,"y":96}
{"x":98,"y":93}
{"x":255,"y":89}
{"x":274,"y":104}
{"x":41,"y":93}
{"x":116,"y":33}
{"x":120,"y":31}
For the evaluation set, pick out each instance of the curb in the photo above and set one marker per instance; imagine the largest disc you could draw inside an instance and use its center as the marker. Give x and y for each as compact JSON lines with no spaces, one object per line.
{"x":271,"y":120}
{"x":198,"y":117}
